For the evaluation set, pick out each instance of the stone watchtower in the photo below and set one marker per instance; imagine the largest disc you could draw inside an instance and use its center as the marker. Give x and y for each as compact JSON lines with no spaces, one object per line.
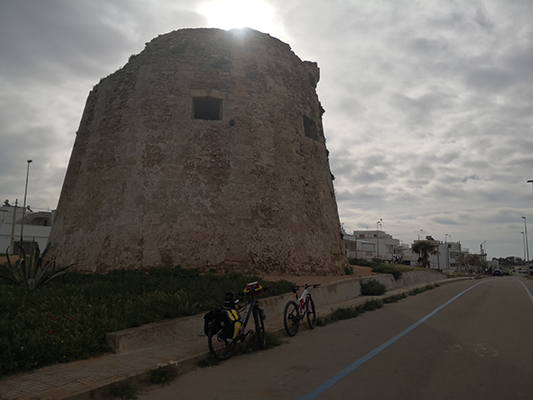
{"x":206,"y":150}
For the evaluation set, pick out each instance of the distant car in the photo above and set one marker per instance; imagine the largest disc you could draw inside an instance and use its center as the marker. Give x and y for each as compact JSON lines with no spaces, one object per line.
{"x":497,"y":272}
{"x":506,"y":273}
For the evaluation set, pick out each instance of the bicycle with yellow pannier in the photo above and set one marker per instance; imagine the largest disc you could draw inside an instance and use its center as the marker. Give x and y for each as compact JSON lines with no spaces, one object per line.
{"x":226,"y":327}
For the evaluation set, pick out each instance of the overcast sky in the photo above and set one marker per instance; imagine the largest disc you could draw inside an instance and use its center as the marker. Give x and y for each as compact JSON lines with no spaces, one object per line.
{"x":429,"y":104}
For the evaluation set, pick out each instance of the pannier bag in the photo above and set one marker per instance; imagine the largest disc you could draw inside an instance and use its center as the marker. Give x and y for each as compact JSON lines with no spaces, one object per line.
{"x":230,"y":323}
{"x":227,"y":320}
{"x":211,"y":317}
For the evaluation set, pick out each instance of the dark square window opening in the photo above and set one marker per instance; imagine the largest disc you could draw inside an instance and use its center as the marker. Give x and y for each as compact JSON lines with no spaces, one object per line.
{"x":207,"y":108}
{"x":310,"y":128}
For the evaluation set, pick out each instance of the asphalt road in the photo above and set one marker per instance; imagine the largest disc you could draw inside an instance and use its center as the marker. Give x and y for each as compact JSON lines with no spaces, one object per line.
{"x":467,"y":340}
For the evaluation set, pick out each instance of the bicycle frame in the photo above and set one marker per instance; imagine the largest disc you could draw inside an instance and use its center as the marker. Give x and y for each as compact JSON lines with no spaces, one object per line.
{"x":303,"y":299}
{"x":301,"y":302}
{"x":248,"y":307}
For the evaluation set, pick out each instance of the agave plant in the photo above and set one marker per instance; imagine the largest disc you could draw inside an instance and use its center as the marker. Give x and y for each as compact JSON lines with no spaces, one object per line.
{"x":31,"y":271}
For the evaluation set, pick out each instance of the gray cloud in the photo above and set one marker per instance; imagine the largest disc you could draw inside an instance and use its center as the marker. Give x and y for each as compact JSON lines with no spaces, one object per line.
{"x":428,"y":105}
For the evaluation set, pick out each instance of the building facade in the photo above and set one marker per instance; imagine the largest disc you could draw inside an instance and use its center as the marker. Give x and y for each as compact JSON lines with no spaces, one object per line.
{"x":369,"y":245}
{"x":37,"y":228}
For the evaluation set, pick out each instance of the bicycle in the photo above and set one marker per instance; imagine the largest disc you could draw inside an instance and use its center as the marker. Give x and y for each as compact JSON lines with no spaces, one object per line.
{"x":225,"y":328}
{"x":295,"y":312}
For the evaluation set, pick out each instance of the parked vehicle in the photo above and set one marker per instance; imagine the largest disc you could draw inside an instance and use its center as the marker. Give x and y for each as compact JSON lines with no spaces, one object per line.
{"x":497,"y":272}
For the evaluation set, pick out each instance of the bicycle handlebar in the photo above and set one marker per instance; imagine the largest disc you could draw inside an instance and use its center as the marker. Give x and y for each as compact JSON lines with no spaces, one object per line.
{"x":307,"y":286}
{"x":242,"y":294}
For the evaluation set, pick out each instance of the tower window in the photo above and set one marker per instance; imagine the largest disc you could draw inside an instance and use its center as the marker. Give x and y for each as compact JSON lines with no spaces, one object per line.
{"x":207,"y":108}
{"x":310,"y":128}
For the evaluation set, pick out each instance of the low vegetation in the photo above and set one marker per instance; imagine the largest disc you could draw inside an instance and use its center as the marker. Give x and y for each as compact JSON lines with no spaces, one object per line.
{"x":379,"y":267}
{"x":68,"y":319}
{"x":372,"y":288}
{"x":394,"y":298}
{"x":163,"y":374}
{"x":416,"y":291}
{"x":350,"y":312}
{"x":124,"y":391}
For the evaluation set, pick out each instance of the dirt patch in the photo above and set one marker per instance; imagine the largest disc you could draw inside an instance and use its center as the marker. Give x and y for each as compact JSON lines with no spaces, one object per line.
{"x":3,"y":259}
{"x":302,"y":280}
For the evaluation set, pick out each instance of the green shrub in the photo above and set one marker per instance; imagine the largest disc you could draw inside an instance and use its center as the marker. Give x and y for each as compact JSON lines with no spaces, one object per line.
{"x":372,"y":288}
{"x":361,"y":262}
{"x":125,"y":392}
{"x":387,"y":269}
{"x":252,"y":345}
{"x":382,"y":268}
{"x":339,"y":314}
{"x":394,"y":298}
{"x":370,"y":306}
{"x":344,"y":313}
{"x":348,"y":270}
{"x":164,"y":374}
{"x":416,"y":291}
{"x":30,"y":271}
{"x":209,"y":361}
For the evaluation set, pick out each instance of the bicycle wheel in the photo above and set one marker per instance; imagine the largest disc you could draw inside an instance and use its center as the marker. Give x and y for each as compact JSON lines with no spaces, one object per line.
{"x":311,"y":312}
{"x":291,"y":319}
{"x":259,"y":328}
{"x":219,"y":346}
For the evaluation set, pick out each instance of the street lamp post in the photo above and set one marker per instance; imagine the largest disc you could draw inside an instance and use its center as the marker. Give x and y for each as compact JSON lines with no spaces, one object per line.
{"x":524,"y":241}
{"x":355,"y":242}
{"x":24,"y":207}
{"x":527,"y":246}
{"x":447,"y":252}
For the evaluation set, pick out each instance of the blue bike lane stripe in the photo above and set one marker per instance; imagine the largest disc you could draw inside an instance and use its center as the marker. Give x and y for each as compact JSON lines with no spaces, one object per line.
{"x":527,"y":290}
{"x":336,"y":378}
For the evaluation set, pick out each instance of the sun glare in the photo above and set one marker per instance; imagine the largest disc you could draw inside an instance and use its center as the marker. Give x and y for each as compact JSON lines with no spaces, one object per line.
{"x":229,"y":14}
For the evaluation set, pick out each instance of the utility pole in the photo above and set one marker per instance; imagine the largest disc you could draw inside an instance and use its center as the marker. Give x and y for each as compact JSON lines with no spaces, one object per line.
{"x":377,"y":237}
{"x":527,"y":247}
{"x":355,"y":241}
{"x":24,"y":207}
{"x":12,"y":241}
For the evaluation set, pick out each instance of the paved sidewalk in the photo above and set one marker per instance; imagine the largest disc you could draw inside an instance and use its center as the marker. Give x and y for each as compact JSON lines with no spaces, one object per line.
{"x":94,"y":378}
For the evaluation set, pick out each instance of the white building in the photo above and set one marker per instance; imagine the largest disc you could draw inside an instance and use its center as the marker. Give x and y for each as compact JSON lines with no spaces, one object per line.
{"x":369,"y":245}
{"x":448,"y":257}
{"x":37,"y":227}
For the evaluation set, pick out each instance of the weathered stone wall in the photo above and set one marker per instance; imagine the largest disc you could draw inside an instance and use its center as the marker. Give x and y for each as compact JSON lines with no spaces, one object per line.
{"x":149,"y":184}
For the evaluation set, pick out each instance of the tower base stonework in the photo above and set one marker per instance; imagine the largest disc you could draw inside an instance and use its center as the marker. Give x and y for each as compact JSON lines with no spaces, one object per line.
{"x":206,"y":150}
